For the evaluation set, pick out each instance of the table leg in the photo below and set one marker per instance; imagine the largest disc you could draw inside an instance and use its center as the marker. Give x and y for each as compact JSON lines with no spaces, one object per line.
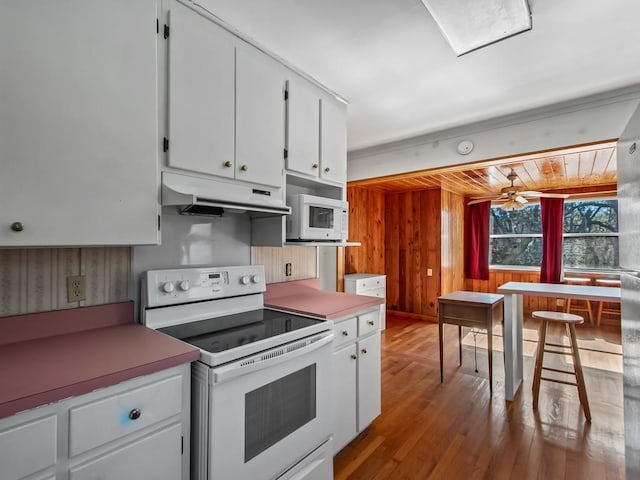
{"x":512,"y":344}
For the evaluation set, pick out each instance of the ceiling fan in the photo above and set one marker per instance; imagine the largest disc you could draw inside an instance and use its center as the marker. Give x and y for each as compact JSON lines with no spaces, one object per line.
{"x":512,"y":198}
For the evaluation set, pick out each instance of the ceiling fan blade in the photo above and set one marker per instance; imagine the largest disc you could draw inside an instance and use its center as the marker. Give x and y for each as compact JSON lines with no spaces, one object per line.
{"x":521,"y":199}
{"x":481,"y":200}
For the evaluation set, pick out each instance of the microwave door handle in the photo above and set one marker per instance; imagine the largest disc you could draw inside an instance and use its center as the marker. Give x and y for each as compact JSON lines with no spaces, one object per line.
{"x":269,"y":358}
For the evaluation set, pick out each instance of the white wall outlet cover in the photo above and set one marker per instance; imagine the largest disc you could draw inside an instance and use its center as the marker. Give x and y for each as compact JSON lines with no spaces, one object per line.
{"x":465,"y":147}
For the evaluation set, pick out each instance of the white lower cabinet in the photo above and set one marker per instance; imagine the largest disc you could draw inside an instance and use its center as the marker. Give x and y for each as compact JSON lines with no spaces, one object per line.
{"x":356,"y":376}
{"x":370,"y":285}
{"x":137,"y":429}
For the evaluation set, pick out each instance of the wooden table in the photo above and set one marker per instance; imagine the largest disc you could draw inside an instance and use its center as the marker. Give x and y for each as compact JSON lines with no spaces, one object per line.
{"x":473,"y":310}
{"x":513,"y":318}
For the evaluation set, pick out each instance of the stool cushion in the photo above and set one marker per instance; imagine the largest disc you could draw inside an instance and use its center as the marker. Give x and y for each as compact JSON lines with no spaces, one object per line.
{"x":558,"y":317}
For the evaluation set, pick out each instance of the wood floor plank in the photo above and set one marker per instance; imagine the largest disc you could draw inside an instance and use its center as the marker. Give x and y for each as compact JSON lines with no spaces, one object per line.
{"x":457,"y":430}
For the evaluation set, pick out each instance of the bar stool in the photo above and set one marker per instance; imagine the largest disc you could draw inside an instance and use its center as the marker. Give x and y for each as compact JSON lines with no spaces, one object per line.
{"x":570,"y":321}
{"x":581,"y":306}
{"x":607,"y":282}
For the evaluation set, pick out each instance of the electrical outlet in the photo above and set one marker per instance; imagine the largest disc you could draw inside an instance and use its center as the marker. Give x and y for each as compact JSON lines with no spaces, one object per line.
{"x":429,"y":272}
{"x":559,"y":302}
{"x":287,"y":269}
{"x":76,"y":288}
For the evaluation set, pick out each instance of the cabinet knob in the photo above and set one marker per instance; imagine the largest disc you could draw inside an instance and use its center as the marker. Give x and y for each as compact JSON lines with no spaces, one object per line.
{"x":364,"y":351}
{"x":244,"y":168}
{"x":228,"y":164}
{"x":327,"y":169}
{"x":371,"y":322}
{"x":135,"y":414}
{"x":354,"y":356}
{"x":345,"y":333}
{"x":17,"y":226}
{"x":315,"y":165}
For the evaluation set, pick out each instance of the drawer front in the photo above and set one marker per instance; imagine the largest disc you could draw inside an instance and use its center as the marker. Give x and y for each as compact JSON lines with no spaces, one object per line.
{"x":27,"y":448}
{"x":345,"y":332}
{"x":374,"y":292}
{"x":154,"y":457}
{"x":369,"y":322}
{"x":369,"y":283}
{"x":114,"y":417}
{"x":464,"y":314}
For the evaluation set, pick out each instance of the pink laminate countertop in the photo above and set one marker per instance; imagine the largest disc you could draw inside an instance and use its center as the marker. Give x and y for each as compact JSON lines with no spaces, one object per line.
{"x":42,"y":370}
{"x":305,"y":297}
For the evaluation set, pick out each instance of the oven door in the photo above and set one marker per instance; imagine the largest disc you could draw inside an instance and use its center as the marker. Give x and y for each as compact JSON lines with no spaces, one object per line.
{"x":269,"y":411}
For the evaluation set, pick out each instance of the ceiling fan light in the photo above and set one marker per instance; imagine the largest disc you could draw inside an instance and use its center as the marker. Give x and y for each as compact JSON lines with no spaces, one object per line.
{"x":511,"y":205}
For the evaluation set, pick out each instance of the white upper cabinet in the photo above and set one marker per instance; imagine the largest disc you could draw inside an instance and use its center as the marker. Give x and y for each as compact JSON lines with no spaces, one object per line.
{"x":333,"y":140}
{"x":78,"y":123}
{"x":201,"y":94}
{"x":316,"y":132}
{"x":303,"y":128}
{"x":226,"y":103}
{"x":259,"y":117}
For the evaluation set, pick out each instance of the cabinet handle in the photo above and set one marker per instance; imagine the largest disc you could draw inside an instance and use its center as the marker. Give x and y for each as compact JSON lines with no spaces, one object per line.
{"x":244,"y":168}
{"x":228,"y":164}
{"x":135,"y":414}
{"x":345,"y":333}
{"x":354,"y":356}
{"x":364,"y":351}
{"x":327,"y":170}
{"x":17,"y":226}
{"x":371,"y":322}
{"x":315,"y":165}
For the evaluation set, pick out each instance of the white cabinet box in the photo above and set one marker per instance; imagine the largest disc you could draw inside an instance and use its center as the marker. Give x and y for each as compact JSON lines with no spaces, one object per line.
{"x":135,"y":429}
{"x":370,"y":285}
{"x":79,"y":136}
{"x":356,"y":376}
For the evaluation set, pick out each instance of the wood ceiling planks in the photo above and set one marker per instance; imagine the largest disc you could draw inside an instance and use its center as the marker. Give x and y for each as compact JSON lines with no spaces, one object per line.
{"x":581,"y":166}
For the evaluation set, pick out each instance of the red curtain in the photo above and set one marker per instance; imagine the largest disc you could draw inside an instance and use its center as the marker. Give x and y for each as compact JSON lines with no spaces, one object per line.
{"x":477,"y":241}
{"x":551,"y":210}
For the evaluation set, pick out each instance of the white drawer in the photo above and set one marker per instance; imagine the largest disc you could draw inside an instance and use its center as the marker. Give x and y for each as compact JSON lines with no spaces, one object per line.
{"x":345,"y":332}
{"x":368,"y":322}
{"x":374,"y":292}
{"x":114,"y":417}
{"x":369,"y":283}
{"x":28,"y":448}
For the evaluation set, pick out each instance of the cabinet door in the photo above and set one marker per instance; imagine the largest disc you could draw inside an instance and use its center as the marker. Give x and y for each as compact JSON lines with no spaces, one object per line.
{"x":78,"y":122}
{"x":156,"y":456}
{"x":259,"y":117}
{"x":303,"y":128}
{"x":344,"y":396}
{"x":333,"y":140}
{"x":369,"y":392}
{"x":201,"y":94}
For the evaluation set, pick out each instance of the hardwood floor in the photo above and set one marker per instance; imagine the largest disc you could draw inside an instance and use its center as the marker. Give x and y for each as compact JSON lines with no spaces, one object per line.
{"x":455,"y":430}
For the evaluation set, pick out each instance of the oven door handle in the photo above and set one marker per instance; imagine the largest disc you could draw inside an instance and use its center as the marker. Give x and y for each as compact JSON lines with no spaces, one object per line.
{"x":270,"y":357}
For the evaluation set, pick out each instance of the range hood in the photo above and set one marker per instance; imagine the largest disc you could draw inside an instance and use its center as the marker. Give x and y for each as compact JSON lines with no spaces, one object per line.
{"x":212,"y":197}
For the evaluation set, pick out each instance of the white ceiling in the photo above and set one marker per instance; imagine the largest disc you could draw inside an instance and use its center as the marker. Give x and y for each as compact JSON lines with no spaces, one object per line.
{"x":390,"y":61}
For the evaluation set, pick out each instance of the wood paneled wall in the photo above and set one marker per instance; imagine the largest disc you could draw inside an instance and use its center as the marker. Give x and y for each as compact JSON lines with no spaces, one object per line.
{"x":366,"y":225}
{"x":452,"y":232}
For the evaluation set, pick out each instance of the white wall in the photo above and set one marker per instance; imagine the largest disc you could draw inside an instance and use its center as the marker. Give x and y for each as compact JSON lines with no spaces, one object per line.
{"x":597,"y":120}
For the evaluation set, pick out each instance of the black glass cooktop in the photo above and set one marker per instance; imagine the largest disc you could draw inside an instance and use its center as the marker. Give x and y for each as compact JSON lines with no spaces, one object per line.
{"x":224,"y":333}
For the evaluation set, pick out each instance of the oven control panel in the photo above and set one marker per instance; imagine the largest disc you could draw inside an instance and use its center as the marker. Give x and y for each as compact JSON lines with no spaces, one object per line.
{"x":183,"y":285}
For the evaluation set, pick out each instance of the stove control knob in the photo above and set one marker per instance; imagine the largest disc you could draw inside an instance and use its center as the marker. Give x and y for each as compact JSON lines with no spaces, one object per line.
{"x":167,"y":287}
{"x":184,"y":285}
{"x":244,"y":280}
{"x":256,"y":279}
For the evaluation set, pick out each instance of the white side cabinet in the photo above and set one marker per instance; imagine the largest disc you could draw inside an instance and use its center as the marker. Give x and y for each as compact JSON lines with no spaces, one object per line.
{"x":370,"y":285}
{"x":79,"y":123}
{"x":356,"y":376}
{"x":135,"y":429}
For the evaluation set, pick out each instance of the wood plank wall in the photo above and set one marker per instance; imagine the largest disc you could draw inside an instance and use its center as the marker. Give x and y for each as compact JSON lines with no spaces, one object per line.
{"x":366,"y":225}
{"x":452,"y":248}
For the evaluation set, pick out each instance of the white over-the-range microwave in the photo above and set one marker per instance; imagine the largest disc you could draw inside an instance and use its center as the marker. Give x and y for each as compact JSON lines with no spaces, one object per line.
{"x":317,"y":219}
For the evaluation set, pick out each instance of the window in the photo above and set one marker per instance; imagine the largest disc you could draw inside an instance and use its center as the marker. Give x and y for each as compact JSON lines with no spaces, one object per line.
{"x":590,"y":235}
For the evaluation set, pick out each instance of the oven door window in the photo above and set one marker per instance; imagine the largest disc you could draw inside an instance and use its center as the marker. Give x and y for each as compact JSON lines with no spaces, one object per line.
{"x":320,"y":217}
{"x":277,"y":409}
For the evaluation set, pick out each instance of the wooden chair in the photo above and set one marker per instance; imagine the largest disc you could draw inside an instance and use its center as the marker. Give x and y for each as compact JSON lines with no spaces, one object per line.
{"x":580,"y":306}
{"x":473,"y":310}
{"x":607,"y":282}
{"x":570,"y":321}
